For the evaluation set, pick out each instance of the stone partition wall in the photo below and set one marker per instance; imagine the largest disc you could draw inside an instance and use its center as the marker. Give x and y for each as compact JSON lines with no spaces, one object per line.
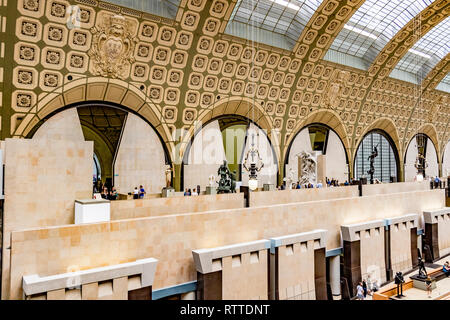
{"x":171,"y":238}
{"x":234,"y":272}
{"x":267,"y":198}
{"x":126,"y":281}
{"x":42,"y":180}
{"x":437,"y":232}
{"x":126,"y":209}
{"x":384,"y":188}
{"x":402,"y":243}
{"x":297,"y":266}
{"x":364,"y":253}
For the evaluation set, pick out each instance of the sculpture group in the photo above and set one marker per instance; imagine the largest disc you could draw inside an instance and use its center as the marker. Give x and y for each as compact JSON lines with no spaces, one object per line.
{"x":227,"y":182}
{"x":308,"y":168}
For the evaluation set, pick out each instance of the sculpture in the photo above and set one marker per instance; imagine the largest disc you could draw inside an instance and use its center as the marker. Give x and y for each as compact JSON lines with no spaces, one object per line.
{"x":422,"y":270}
{"x":335,"y":88}
{"x":421,"y":164}
{"x":399,"y":281}
{"x":226,"y":179}
{"x":212,"y":180}
{"x":113,"y":46}
{"x":289,"y":178}
{"x":168,"y":173}
{"x":308,"y":168}
{"x":371,"y":158}
{"x":253,"y":165}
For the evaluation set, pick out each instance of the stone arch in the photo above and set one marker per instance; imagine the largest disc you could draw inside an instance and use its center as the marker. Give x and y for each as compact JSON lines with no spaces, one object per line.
{"x":100,"y":90}
{"x":241,"y":106}
{"x":326,"y":117}
{"x":430,"y":130}
{"x":386,"y":125}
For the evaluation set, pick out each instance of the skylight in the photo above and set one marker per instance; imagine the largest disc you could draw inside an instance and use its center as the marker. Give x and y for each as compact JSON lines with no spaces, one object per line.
{"x":283,"y":19}
{"x":163,"y":8}
{"x":374,"y":24}
{"x":428,"y":51}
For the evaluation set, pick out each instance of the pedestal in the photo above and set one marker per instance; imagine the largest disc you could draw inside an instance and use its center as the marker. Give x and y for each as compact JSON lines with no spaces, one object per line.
{"x":268,"y":187}
{"x":90,"y":211}
{"x":168,"y":192}
{"x":211,"y":190}
{"x":420,"y":283}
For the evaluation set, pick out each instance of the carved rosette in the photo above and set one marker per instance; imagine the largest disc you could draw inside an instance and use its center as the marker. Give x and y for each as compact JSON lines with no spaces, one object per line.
{"x":113,"y":45}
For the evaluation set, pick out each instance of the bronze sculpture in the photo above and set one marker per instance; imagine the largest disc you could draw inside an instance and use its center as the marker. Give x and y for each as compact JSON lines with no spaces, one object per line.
{"x":399,"y":281}
{"x":422,"y":270}
{"x":226,"y":182}
{"x":371,"y":158}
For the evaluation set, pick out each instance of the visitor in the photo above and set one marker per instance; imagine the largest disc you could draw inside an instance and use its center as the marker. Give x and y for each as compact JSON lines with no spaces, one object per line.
{"x":359,"y":292}
{"x":115,"y":194}
{"x":135,"y":193}
{"x":436,"y":182}
{"x":141,"y":192}
{"x":364,"y":285}
{"x":198,"y":189}
{"x":189,"y":192}
{"x":105,"y":193}
{"x":346,"y":183}
{"x":186,"y":192}
{"x":446,"y":268}
{"x":194,"y":192}
{"x":375,"y":287}
{"x":429,"y":287}
{"x":319,"y":185}
{"x":298,"y":185}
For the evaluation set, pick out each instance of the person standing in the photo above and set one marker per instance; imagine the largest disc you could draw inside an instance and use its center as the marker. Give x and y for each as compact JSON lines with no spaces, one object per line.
{"x":194,"y":192}
{"x":136,"y":193}
{"x":446,"y":268}
{"x":359,"y":291}
{"x":429,"y":288}
{"x":364,"y":285}
{"x":141,"y":192}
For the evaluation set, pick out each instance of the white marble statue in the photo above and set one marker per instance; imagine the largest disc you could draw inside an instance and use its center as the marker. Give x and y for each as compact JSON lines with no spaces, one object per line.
{"x":308,"y":170}
{"x":212,"y":180}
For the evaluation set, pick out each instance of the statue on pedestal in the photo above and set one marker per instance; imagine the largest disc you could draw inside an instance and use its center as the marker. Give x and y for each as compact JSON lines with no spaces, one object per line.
{"x":399,"y":281}
{"x":168,"y":173}
{"x":226,"y":179}
{"x":371,"y":158}
{"x":422,"y":270}
{"x":421,"y":164}
{"x":308,"y":168}
{"x":212,"y":180}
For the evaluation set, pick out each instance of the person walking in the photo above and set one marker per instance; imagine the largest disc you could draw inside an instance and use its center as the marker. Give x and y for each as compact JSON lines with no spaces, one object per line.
{"x":364,"y":285}
{"x":135,"y":193}
{"x":429,"y":288}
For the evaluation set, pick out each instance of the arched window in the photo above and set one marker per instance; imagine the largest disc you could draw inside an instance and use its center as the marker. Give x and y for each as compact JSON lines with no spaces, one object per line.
{"x":385,"y":163}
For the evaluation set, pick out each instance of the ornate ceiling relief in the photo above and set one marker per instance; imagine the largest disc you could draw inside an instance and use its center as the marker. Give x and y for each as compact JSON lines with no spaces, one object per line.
{"x":335,"y":89}
{"x":112,"y":51}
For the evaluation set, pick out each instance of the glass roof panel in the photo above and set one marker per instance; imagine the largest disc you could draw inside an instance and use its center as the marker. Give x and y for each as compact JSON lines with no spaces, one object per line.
{"x":428,"y":51}
{"x":285,"y":18}
{"x":374,"y":24}
{"x":163,"y":8}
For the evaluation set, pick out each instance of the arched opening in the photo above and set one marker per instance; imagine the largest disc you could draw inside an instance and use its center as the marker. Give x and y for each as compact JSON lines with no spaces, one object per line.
{"x":128,"y":151}
{"x":227,"y":137}
{"x":421,"y":149}
{"x":319,"y":138}
{"x":386,"y":164}
{"x":446,"y":160}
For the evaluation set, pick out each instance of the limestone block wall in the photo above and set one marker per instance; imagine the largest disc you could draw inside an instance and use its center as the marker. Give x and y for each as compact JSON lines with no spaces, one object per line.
{"x":63,"y":125}
{"x":205,"y":156}
{"x":267,"y":198}
{"x":140,"y":158}
{"x":234,"y":272}
{"x":42,"y":180}
{"x":126,"y":209}
{"x":401,"y":239}
{"x":369,"y":238}
{"x":293,"y":264}
{"x":384,"y":188}
{"x":437,"y":231}
{"x":171,"y":238}
{"x":126,"y":281}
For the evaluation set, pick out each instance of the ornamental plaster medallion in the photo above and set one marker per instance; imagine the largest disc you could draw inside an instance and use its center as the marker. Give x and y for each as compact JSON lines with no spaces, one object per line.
{"x":113,"y":47}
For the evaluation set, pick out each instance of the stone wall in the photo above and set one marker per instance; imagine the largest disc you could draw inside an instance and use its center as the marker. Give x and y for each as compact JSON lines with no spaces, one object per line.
{"x":42,"y":180}
{"x":171,"y":238}
{"x":126,"y":209}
